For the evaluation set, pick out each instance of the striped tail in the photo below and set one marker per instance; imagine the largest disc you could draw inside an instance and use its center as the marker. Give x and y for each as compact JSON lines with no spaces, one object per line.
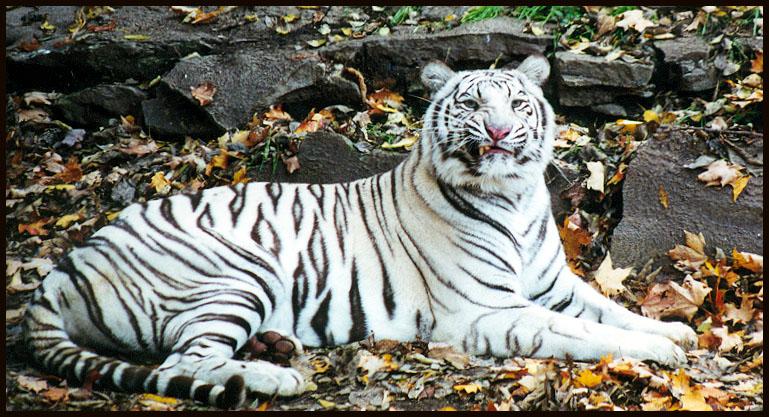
{"x":55,"y":352}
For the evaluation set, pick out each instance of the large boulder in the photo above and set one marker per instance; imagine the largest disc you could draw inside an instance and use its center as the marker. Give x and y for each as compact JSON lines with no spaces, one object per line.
{"x":248,"y":82}
{"x":593,"y":81}
{"x":648,"y":230}
{"x":395,"y":61}
{"x":687,"y":63}
{"x":94,"y":106}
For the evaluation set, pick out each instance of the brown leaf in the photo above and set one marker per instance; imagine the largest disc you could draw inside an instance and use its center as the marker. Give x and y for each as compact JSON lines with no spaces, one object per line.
{"x":606,"y":24}
{"x":35,"y":228}
{"x":56,"y":394}
{"x":635,"y":19}
{"x":36,"y":97}
{"x":72,"y":171}
{"x":385,"y":100}
{"x":138,"y":147}
{"x":663,"y":195}
{"x":30,"y":45}
{"x":32,"y":115}
{"x":291,"y":163}
{"x":720,"y":172}
{"x":743,"y":314}
{"x":33,"y":384}
{"x":729,"y":341}
{"x":218,"y":161}
{"x":573,"y":237}
{"x":204,"y":92}
{"x":276,"y":113}
{"x":668,"y":299}
{"x":757,"y":63}
{"x":240,"y":177}
{"x":692,"y":256}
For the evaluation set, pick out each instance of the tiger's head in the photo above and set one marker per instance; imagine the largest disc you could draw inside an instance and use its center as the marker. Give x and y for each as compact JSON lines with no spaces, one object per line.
{"x":489,"y":129}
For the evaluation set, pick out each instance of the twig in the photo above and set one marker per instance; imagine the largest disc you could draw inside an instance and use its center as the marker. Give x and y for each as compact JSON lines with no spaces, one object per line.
{"x":711,"y":130}
{"x":742,"y":153}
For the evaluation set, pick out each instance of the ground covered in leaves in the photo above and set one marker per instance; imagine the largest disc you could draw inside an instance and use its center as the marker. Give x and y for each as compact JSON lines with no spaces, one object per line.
{"x":65,"y":182}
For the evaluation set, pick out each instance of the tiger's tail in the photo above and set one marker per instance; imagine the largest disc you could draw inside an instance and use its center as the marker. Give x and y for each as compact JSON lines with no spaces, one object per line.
{"x":54,"y":351}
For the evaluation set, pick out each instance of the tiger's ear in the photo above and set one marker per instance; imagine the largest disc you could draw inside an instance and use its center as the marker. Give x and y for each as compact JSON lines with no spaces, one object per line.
{"x":536,"y":68}
{"x":435,"y":74}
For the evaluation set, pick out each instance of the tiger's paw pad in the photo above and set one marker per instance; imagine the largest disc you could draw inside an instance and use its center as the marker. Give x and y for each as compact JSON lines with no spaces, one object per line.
{"x":273,"y":345}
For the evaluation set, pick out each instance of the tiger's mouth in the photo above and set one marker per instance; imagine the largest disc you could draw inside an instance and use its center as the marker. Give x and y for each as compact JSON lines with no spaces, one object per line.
{"x":490,"y":149}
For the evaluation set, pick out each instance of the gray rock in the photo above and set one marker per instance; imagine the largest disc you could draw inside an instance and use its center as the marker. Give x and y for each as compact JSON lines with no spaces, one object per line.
{"x":94,"y":106}
{"x":101,"y":56}
{"x":648,"y":230}
{"x":581,"y":70}
{"x":250,"y":82}
{"x":329,"y":158}
{"x":438,"y":13}
{"x":611,"y":109}
{"x":395,"y":60}
{"x":169,"y":116}
{"x":688,"y":65}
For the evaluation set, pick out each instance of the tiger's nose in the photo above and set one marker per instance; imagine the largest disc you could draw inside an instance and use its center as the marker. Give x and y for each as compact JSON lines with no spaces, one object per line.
{"x":496,"y":134}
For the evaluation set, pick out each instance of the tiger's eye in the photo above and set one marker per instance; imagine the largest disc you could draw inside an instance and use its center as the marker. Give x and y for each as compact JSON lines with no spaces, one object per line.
{"x":470,"y":104}
{"x":516,"y":103}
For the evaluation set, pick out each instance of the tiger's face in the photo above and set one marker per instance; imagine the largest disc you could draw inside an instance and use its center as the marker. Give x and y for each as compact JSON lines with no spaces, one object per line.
{"x":488,"y":128}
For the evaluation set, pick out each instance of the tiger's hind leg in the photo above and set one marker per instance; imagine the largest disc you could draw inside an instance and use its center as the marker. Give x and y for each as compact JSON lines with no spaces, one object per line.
{"x":274,"y":346}
{"x":207,"y":356}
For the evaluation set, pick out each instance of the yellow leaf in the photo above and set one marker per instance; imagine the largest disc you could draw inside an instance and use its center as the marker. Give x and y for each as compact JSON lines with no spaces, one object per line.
{"x":240,"y":176}
{"x":328,"y":405}
{"x":628,"y":125}
{"x":663,"y":197}
{"x":251,"y":17}
{"x":588,"y":379}
{"x":738,"y":185}
{"x":159,"y":182}
{"x":406,"y":142}
{"x":347,"y":31}
{"x":66,"y":220}
{"x":749,"y":261}
{"x":61,"y":187}
{"x":470,"y":388}
{"x":316,"y":43}
{"x":46,"y":26}
{"x":290,"y":18}
{"x":651,"y":116}
{"x":159,"y":399}
{"x":112,"y":215}
{"x":218,"y":161}
{"x":447,"y":408}
{"x":137,"y":38}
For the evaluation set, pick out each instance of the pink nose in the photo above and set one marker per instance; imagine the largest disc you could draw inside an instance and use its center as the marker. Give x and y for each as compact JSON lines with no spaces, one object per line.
{"x":497,"y":134}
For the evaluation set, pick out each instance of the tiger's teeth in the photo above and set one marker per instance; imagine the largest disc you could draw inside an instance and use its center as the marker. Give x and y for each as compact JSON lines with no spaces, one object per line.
{"x":483,"y":149}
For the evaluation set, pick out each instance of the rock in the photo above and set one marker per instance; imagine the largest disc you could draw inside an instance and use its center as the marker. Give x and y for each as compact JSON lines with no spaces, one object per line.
{"x":105,"y":56}
{"x":581,"y":70}
{"x":251,"y":82}
{"x":96,"y":105}
{"x":687,"y":65}
{"x":559,"y":176}
{"x":439,"y":13}
{"x":586,"y":80}
{"x":329,"y":158}
{"x":648,"y":230}
{"x":170,"y":116}
{"x":395,"y":61}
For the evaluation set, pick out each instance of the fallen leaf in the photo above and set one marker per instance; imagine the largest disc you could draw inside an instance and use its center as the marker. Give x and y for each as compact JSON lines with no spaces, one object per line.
{"x":663,"y":195}
{"x":204,"y":92}
{"x":749,"y":261}
{"x":218,"y":161}
{"x":137,"y":38}
{"x":72,"y":171}
{"x":691,"y":398}
{"x":669,"y":299}
{"x":743,"y":314}
{"x":33,"y":384}
{"x":610,"y":279}
{"x":67,"y":219}
{"x":30,"y":45}
{"x":36,"y":97}
{"x":385,"y":100}
{"x":160,"y":183}
{"x":32,"y":115}
{"x":406,"y":143}
{"x":56,"y":394}
{"x":35,"y":228}
{"x":586,"y":378}
{"x":757,"y":63}
{"x":691,"y":256}
{"x":470,"y":388}
{"x":573,"y":238}
{"x":240,"y":177}
{"x":138,"y":147}
{"x":738,"y":185}
{"x":729,"y":341}
{"x":316,"y":43}
{"x":291,"y":163}
{"x":597,"y":176}
{"x":634,"y":19}
{"x":276,"y":113}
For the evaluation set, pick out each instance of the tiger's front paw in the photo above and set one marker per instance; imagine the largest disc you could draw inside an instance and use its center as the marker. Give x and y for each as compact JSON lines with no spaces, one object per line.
{"x":680,"y":333}
{"x":663,"y":351}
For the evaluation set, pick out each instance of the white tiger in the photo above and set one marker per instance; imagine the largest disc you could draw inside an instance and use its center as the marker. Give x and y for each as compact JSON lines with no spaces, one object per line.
{"x":456,"y":244}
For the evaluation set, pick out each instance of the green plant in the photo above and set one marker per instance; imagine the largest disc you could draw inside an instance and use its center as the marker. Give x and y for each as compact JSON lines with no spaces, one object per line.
{"x":561,"y":15}
{"x":402,"y":14}
{"x":616,"y":11}
{"x":478,"y":13}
